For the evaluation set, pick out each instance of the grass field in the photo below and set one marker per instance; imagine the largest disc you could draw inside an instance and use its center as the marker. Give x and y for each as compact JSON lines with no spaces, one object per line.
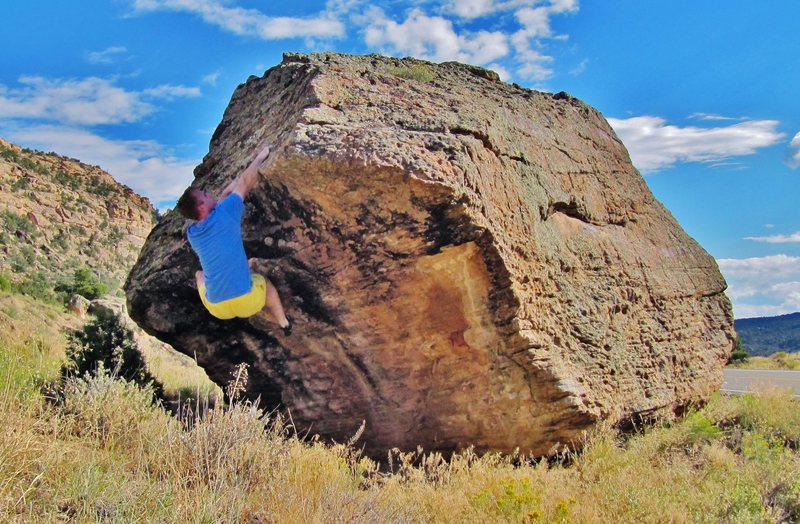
{"x":779,"y":360}
{"x":107,"y":454}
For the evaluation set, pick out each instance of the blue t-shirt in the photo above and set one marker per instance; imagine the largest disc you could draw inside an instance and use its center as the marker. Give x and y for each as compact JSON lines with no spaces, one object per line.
{"x":217,"y":240}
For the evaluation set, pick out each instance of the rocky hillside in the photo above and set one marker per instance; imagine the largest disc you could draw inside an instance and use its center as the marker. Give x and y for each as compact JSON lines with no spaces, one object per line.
{"x":58,"y":215}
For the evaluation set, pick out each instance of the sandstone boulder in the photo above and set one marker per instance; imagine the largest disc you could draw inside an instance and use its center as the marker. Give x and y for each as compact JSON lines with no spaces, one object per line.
{"x":468,"y":262}
{"x":78,"y":305}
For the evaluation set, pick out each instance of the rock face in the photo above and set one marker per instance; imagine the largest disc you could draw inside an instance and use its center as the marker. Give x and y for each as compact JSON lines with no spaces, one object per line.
{"x":468,"y":262}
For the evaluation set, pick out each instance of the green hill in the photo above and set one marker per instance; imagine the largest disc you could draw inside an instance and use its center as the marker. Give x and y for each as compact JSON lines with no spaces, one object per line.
{"x":768,"y":335}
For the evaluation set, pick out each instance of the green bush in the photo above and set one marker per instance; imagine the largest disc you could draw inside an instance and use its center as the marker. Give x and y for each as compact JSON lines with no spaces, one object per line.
{"x":105,"y":343}
{"x":38,"y":286}
{"x":84,"y":283}
{"x":9,"y":154}
{"x":739,"y":353}
{"x":418,"y":72}
{"x":21,"y":223}
{"x":5,"y":283}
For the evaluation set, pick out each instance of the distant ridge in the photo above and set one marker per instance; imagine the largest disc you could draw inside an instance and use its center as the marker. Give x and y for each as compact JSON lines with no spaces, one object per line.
{"x":768,"y":335}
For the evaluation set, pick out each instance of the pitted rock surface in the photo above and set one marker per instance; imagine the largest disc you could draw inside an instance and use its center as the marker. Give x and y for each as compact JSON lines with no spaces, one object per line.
{"x":468,"y":263}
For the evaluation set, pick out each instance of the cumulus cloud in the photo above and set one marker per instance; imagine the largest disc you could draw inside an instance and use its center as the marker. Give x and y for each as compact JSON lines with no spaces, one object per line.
{"x":437,"y":38}
{"x":472,"y":8}
{"x":763,"y":286}
{"x":89,"y":101}
{"x":433,"y":38}
{"x":793,"y":152}
{"x":653,"y":144}
{"x":106,"y":56}
{"x":62,"y":110}
{"x":536,"y":25}
{"x":251,"y":22}
{"x":143,"y":165}
{"x":501,"y":71}
{"x":776,"y":239}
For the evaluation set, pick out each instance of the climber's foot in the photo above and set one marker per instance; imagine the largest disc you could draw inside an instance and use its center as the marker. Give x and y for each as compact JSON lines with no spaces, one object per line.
{"x":287,"y":329}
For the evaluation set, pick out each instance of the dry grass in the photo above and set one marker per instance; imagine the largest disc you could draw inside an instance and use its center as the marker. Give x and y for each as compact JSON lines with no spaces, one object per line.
{"x":106,"y":454}
{"x":779,"y":360}
{"x":180,"y":375}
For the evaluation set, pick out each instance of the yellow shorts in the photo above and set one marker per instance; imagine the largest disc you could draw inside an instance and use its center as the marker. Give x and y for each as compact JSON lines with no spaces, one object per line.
{"x":243,"y":306}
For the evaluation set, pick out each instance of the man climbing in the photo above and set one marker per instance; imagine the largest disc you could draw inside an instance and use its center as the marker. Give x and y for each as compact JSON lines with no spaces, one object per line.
{"x":227,"y":285}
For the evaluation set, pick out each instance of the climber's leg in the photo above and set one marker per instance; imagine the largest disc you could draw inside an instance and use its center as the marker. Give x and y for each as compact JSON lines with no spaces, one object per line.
{"x":273,"y":308}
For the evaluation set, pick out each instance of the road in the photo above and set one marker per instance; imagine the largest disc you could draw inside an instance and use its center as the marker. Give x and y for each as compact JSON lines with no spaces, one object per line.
{"x":744,"y":380}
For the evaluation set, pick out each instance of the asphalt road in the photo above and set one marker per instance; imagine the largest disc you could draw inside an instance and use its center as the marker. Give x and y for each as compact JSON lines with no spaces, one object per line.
{"x":745,"y":380}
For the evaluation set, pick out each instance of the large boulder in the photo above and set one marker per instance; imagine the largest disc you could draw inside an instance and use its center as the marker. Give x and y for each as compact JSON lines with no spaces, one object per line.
{"x":467,"y":262}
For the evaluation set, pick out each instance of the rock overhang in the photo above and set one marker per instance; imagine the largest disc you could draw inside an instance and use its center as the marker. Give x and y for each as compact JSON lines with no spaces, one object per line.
{"x":470,"y":263}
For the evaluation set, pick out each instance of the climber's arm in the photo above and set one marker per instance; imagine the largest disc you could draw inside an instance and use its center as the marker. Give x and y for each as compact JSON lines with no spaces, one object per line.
{"x":247,"y":179}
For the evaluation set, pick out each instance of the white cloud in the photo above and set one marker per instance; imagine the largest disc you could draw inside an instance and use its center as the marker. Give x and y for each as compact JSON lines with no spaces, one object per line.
{"x":89,"y":101}
{"x":106,"y":56}
{"x":708,"y":116}
{"x":793,"y":152}
{"x":472,"y":8}
{"x":143,"y":165}
{"x":501,"y":71}
{"x":563,"y":6}
{"x":763,"y":286}
{"x":763,"y":267}
{"x":536,"y":22}
{"x":580,"y":68}
{"x":776,"y":239}
{"x":437,"y":38}
{"x":433,"y":38}
{"x":170,"y":92}
{"x":484,"y":46}
{"x":212,"y":78}
{"x":536,"y":26}
{"x":251,"y":22}
{"x":653,"y":144}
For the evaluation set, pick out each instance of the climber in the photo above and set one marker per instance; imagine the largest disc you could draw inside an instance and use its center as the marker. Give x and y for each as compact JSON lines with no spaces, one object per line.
{"x":227,"y":284}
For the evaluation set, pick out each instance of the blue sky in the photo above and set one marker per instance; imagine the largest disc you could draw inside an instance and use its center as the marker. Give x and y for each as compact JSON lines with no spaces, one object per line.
{"x":703,"y":93}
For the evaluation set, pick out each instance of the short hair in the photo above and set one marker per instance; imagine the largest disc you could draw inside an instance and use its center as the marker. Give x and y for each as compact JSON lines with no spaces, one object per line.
{"x":187,"y":204}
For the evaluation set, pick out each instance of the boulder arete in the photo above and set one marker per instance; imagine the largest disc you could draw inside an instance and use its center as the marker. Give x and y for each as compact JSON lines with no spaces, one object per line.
{"x":467,"y":262}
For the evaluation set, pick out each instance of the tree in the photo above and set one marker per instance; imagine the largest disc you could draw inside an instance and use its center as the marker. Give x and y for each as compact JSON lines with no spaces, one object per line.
{"x":739,"y":353}
{"x":84,"y":283}
{"x":105,"y":341}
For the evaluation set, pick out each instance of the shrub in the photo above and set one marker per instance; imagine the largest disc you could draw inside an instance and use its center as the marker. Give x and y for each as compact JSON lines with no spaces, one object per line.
{"x":784,"y":360}
{"x":84,"y":283}
{"x":418,"y":72}
{"x":108,"y":409}
{"x":21,"y":223}
{"x":5,"y":283}
{"x":739,"y":353}
{"x":38,"y":286}
{"x":105,"y":342}
{"x":9,"y":154}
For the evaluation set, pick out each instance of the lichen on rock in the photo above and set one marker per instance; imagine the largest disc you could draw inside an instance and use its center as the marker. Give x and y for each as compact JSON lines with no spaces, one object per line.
{"x":469,"y":263}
